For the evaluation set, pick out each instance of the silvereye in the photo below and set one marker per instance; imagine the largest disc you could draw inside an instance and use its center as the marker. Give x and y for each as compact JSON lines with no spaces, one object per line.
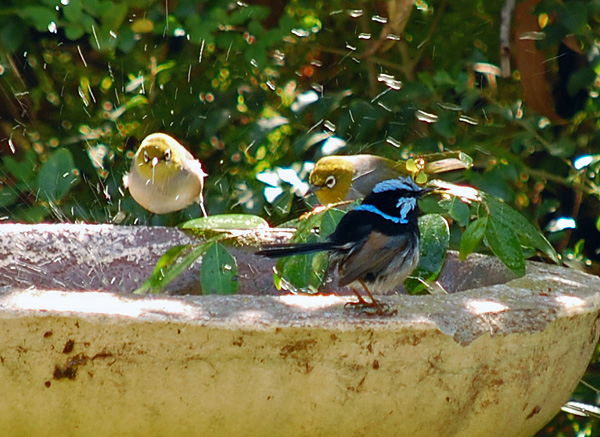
{"x":337,"y":178}
{"x":340,"y":178}
{"x":164,"y":176}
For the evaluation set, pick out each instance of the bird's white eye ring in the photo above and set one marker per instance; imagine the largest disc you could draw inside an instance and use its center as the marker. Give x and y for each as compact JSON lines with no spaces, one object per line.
{"x":330,"y":181}
{"x":167,"y":156}
{"x":146,"y":157}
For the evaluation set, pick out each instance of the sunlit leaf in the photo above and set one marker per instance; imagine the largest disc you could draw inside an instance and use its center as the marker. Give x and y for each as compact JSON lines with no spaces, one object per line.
{"x":507,"y":217}
{"x":218,"y":274}
{"x":472,"y":236}
{"x":457,"y":209}
{"x":174,"y":262}
{"x":435,"y":239}
{"x":224,"y":222}
{"x":505,"y":244}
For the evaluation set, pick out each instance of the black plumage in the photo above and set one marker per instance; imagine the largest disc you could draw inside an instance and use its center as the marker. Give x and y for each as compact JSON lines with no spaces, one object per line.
{"x":375,"y":243}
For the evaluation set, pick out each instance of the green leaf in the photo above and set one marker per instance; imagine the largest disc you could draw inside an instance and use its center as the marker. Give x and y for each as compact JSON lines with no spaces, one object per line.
{"x":457,"y":209}
{"x":24,"y":170}
{"x":219,"y":270}
{"x":73,"y":11}
{"x":12,"y":33}
{"x":505,"y":244}
{"x":435,"y":240}
{"x":472,"y":236}
{"x":529,"y":235}
{"x":8,"y":195}
{"x":574,"y":16}
{"x":35,"y":214}
{"x":225,"y":222}
{"x":74,"y":31}
{"x":330,"y":220}
{"x":306,"y":272}
{"x":175,"y":261}
{"x":57,"y":176}
{"x":39,"y":16}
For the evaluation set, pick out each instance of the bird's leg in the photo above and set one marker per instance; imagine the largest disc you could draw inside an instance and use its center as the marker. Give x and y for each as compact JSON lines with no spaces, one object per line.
{"x":380,"y":309}
{"x":201,"y":203}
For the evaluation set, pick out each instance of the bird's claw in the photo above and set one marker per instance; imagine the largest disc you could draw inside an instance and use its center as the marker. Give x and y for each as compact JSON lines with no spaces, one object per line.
{"x":373,"y":308}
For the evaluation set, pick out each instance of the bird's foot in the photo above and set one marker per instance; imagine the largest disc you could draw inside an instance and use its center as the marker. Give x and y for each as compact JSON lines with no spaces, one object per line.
{"x":373,"y":308}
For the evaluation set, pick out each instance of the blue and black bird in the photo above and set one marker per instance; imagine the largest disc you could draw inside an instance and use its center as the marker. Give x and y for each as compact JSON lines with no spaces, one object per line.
{"x":375,"y":244}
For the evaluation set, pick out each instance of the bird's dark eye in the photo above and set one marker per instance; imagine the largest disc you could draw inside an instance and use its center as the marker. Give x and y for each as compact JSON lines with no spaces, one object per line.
{"x":168,"y":155}
{"x":146,"y":157}
{"x":330,"y":181}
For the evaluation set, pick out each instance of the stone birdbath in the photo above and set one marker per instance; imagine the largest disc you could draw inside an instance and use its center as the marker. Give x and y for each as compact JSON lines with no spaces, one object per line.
{"x":81,"y":355}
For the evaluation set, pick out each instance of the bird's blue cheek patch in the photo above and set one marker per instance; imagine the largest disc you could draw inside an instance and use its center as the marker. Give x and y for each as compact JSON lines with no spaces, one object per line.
{"x":406,"y":205}
{"x":375,"y":210}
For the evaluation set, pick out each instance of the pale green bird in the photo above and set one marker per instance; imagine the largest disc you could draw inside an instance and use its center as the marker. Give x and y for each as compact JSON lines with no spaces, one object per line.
{"x":164,"y":176}
{"x":338,"y":178}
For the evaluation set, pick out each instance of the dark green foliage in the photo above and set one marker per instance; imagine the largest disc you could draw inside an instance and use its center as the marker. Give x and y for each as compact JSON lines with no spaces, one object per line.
{"x":253,"y":89}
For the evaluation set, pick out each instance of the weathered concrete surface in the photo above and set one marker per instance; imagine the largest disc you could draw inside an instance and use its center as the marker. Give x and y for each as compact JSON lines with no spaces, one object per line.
{"x":493,"y":360}
{"x":120,"y":259}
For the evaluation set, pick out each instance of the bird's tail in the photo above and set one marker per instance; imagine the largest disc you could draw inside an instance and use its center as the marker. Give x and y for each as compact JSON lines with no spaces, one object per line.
{"x":281,"y":250}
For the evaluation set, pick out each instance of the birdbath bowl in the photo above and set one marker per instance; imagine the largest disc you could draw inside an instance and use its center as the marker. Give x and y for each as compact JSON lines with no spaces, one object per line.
{"x":81,"y":355}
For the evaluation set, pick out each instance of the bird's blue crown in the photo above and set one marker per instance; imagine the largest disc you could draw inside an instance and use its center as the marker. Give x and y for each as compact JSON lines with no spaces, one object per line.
{"x":394,"y":200}
{"x":401,"y":183}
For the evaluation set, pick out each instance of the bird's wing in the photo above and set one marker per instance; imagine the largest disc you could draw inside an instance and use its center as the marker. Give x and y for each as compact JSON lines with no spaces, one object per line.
{"x":377,"y":252}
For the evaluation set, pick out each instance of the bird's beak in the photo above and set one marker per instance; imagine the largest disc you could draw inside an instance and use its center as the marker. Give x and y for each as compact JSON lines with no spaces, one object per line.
{"x":312,"y":189}
{"x":154,"y":161}
{"x":433,"y":190}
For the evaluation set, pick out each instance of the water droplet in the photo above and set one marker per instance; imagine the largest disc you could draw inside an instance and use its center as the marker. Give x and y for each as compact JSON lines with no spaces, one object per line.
{"x":303,"y":100}
{"x":390,"y":81}
{"x":317,"y":87}
{"x":52,"y":28}
{"x":560,"y":224}
{"x":355,"y":13}
{"x":379,"y":19}
{"x":364,"y":36}
{"x":387,"y":108}
{"x":393,"y":37}
{"x":532,"y":36}
{"x":301,"y":33}
{"x":426,"y":116}
{"x":468,"y":120}
{"x":543,"y":122}
{"x":450,"y":106}
{"x":329,"y":125}
{"x":394,"y":142}
{"x":583,"y":161}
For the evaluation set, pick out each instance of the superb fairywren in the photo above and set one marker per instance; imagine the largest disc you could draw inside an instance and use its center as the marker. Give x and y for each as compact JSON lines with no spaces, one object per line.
{"x":376,"y":243}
